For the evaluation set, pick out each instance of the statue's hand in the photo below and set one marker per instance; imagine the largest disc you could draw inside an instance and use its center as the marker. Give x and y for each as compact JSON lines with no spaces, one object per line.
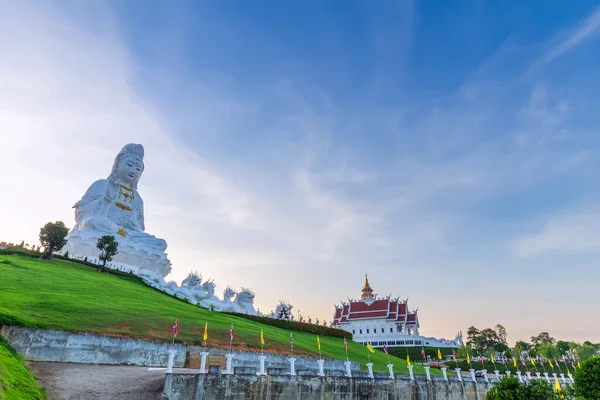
{"x":112,"y":190}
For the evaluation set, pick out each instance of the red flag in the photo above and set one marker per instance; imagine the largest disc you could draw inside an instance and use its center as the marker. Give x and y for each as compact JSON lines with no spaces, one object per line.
{"x":453,"y":356}
{"x":345,"y":344}
{"x":231,"y":333}
{"x":556,"y":362}
{"x":385,"y":347}
{"x":523,"y":362}
{"x":422,"y":352}
{"x":175,"y":329}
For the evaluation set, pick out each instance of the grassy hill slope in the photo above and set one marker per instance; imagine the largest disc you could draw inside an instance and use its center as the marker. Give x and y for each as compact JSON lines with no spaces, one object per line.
{"x":73,"y":297}
{"x":16,"y":381}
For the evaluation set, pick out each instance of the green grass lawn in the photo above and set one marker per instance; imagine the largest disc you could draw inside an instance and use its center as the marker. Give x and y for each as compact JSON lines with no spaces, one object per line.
{"x":16,"y":381}
{"x":73,"y":297}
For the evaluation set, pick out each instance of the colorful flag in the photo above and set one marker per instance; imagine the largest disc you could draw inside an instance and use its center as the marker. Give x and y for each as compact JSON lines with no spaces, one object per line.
{"x":453,"y":356}
{"x":515,"y":361}
{"x":318,"y":342}
{"x":578,"y":365}
{"x":492,"y":358}
{"x":291,"y":338}
{"x":557,"y":385}
{"x":407,"y":360}
{"x":205,"y":336}
{"x":385,"y":347}
{"x":468,"y":359}
{"x":439,"y":355}
{"x":480,"y":358}
{"x":175,"y":329}
{"x":345,"y":344}
{"x":523,"y":362}
{"x":532,"y":362}
{"x":556,"y":362}
{"x":262,"y":338}
{"x":422,"y":352}
{"x":551,"y":365}
{"x":371,"y":349}
{"x":231,"y":336}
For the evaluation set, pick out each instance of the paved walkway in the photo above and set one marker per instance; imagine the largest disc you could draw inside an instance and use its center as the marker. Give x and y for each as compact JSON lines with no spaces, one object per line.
{"x":65,"y":381}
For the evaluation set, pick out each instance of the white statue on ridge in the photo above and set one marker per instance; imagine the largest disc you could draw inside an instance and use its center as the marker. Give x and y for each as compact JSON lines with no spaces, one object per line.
{"x":114,"y":207}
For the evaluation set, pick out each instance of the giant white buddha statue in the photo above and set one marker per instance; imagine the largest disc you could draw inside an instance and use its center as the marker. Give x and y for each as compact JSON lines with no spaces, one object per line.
{"x":114,"y":207}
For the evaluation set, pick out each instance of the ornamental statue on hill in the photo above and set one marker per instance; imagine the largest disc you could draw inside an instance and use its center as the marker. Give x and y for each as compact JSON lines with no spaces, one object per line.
{"x":113,"y":206}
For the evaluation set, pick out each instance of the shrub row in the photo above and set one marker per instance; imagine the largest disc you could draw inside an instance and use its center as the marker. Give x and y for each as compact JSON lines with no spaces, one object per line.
{"x":296,"y":326}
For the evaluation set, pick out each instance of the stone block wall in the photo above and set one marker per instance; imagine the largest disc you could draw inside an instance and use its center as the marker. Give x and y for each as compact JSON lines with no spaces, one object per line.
{"x":308,"y":387}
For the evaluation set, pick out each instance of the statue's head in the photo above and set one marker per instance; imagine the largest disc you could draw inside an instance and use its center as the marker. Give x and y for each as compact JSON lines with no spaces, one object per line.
{"x":129,"y":164}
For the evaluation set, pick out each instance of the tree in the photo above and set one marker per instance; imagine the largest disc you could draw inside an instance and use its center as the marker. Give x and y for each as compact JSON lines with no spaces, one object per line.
{"x":586,"y":351}
{"x":563,"y":346}
{"x":509,"y":388}
{"x":548,"y":351}
{"x":487,"y":339}
{"x":522,"y":346}
{"x":53,"y":237}
{"x":501,"y":330}
{"x":587,"y":379}
{"x":542,"y":338}
{"x":108,"y":247}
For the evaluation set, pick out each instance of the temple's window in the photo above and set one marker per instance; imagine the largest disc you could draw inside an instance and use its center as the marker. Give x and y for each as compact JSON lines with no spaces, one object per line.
{"x":367,"y":331}
{"x":391,"y":330}
{"x":360,"y":331}
{"x":382,"y":330}
{"x":353,"y":331}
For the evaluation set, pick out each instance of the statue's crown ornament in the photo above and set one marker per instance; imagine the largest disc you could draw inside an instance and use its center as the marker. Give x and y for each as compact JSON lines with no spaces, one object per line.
{"x":133,"y":148}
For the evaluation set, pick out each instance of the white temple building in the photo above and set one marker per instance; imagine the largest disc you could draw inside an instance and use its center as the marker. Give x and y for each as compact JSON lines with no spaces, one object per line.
{"x":385,"y":320}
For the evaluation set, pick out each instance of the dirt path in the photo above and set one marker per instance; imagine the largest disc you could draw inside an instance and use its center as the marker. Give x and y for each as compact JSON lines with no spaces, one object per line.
{"x":64,"y":381}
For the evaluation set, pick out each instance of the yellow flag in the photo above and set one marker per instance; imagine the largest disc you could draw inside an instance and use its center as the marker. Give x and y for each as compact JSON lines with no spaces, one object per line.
{"x":439,"y":355}
{"x":407,"y":360}
{"x":318,"y":342}
{"x":370,"y":348}
{"x":557,"y":385}
{"x":532,"y":362}
{"x":578,"y":365}
{"x":262,"y":338}
{"x":492,"y":358}
{"x":550,"y":362}
{"x":468,"y":359}
{"x":205,"y":336}
{"x":515,"y":361}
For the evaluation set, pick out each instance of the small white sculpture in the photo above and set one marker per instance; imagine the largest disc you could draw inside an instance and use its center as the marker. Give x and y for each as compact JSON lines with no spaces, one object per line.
{"x":114,"y":207}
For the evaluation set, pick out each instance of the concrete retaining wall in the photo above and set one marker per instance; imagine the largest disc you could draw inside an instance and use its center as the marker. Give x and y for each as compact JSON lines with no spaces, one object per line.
{"x":305,"y":387}
{"x":60,"y":346}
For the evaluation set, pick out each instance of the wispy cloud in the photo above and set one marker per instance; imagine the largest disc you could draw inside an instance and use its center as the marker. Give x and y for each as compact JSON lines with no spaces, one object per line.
{"x":569,"y":234}
{"x":585,"y":30}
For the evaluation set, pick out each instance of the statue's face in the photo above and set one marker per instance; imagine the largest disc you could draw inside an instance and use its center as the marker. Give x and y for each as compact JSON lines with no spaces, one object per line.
{"x":129,"y":170}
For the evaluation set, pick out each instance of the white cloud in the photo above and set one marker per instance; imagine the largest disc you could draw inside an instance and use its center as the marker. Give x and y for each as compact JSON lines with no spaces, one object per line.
{"x":569,"y":234}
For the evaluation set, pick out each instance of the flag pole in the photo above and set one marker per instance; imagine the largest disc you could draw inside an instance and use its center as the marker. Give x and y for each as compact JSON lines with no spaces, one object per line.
{"x":230,"y":339}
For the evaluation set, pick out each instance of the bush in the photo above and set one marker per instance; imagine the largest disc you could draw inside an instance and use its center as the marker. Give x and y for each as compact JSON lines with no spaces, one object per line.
{"x":587,"y":379}
{"x":296,"y":326}
{"x":509,"y":388}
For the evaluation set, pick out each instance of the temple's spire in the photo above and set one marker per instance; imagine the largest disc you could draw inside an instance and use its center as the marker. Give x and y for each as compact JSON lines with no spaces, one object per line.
{"x":367,"y":292}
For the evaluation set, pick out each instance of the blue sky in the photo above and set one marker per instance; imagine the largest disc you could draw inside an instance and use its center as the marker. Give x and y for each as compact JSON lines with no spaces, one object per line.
{"x":448,"y":149}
